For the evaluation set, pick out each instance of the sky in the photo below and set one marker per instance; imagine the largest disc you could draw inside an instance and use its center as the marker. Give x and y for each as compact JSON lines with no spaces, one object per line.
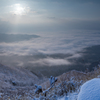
{"x":47,"y":27}
{"x":35,"y":16}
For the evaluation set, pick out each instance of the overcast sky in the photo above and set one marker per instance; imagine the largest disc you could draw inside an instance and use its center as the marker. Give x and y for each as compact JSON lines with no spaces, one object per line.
{"x":35,"y":16}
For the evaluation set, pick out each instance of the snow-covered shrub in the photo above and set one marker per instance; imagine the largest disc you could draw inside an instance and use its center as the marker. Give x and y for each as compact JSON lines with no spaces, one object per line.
{"x":38,"y":89}
{"x":98,"y":76}
{"x":52,"y":81}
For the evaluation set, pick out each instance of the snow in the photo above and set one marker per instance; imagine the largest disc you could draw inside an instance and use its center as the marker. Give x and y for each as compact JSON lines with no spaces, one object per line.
{"x":52,"y":81}
{"x":99,"y":65}
{"x":38,"y":88}
{"x":70,"y":96}
{"x":63,"y":98}
{"x":90,"y":90}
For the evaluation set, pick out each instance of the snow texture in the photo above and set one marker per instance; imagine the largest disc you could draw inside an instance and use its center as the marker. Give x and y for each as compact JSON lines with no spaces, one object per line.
{"x":90,"y":90}
{"x":71,"y":96}
{"x":64,"y":98}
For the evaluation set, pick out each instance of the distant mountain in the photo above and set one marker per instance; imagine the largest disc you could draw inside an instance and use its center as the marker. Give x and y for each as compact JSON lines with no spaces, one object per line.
{"x":15,"y":37}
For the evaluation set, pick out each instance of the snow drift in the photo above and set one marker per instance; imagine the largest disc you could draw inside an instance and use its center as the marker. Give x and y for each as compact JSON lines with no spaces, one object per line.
{"x":90,"y":90}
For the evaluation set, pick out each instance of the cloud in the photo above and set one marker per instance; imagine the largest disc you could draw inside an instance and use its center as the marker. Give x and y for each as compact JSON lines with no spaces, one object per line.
{"x":20,"y":64}
{"x":51,"y":17}
{"x":74,"y":56}
{"x":66,"y":1}
{"x":79,"y":24}
{"x":50,"y":62}
{"x":5,"y":26}
{"x":36,"y":23}
{"x":18,"y":9}
{"x":48,"y":49}
{"x":56,"y":25}
{"x":51,"y":44}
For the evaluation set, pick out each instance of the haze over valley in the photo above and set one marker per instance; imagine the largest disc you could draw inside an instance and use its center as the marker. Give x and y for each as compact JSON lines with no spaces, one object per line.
{"x":43,"y":35}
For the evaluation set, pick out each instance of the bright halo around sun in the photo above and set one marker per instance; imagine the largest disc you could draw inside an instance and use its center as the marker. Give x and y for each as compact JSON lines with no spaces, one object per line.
{"x":19,"y":10}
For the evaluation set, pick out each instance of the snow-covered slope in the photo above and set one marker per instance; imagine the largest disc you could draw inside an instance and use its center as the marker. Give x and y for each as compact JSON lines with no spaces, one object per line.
{"x":19,"y":83}
{"x":90,"y":90}
{"x":10,"y":76}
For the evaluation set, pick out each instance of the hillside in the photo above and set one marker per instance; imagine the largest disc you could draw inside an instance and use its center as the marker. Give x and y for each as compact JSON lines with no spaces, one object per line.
{"x":68,"y":85}
{"x":18,"y":84}
{"x":16,"y":81}
{"x":19,"y":75}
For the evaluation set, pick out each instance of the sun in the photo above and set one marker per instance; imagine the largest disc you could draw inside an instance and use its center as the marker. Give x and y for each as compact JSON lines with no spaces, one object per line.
{"x":19,"y":10}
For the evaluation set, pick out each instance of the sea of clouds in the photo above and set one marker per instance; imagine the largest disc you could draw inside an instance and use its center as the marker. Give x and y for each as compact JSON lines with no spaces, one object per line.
{"x":46,"y":49}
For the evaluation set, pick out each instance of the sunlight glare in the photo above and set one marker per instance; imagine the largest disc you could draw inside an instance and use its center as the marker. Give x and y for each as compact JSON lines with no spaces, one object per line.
{"x":19,"y":10}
